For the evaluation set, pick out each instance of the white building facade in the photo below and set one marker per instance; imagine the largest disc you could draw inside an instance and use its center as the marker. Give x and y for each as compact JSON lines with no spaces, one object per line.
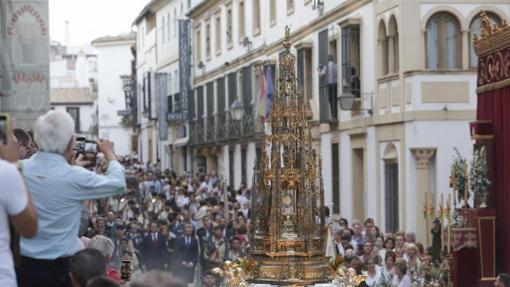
{"x":114,"y":59}
{"x":73,"y":85}
{"x":407,"y":66}
{"x":163,"y":139}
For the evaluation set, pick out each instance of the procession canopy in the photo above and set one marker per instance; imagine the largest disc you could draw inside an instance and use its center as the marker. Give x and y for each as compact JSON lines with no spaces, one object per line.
{"x":493,"y":123}
{"x":288,"y":234}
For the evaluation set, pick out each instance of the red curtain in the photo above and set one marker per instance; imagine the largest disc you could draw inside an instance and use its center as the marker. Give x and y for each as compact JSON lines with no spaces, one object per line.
{"x":495,"y":106}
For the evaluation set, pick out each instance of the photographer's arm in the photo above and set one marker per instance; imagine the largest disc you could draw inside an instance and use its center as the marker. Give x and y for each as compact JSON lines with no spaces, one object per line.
{"x":19,"y":204}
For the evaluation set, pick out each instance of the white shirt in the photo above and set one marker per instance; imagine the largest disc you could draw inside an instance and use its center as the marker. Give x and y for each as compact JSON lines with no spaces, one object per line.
{"x":13,"y":200}
{"x":58,"y":190}
{"x":405,"y":282}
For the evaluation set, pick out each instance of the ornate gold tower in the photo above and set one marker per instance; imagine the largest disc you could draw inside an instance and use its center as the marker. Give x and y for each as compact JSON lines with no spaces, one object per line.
{"x":288,"y":234}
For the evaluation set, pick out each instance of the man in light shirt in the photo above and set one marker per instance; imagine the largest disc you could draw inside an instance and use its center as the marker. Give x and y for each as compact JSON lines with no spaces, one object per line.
{"x":58,"y":190}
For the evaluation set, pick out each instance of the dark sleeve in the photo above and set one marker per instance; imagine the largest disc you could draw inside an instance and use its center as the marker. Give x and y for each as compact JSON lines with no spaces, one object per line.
{"x":194,"y":253}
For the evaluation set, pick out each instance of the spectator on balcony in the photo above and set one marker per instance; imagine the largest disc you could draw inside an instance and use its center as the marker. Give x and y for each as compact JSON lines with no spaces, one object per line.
{"x":330,"y":72}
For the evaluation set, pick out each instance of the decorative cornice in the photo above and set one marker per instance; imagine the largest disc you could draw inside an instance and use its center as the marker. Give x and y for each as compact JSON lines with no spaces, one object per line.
{"x":493,"y":38}
{"x":423,"y":156}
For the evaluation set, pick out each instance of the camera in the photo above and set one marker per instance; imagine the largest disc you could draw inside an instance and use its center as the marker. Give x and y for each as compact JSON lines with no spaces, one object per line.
{"x":4,"y":127}
{"x":88,"y":149}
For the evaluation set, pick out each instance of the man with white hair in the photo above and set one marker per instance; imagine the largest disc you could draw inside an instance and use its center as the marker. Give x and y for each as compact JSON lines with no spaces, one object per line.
{"x":106,"y":246}
{"x":58,"y":189}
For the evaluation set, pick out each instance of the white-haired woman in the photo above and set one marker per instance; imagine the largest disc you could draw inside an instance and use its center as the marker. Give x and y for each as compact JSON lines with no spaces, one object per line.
{"x":106,"y":247}
{"x":58,"y":189}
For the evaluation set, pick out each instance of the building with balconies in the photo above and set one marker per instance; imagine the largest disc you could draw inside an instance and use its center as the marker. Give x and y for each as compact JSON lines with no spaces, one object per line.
{"x":163,"y":78}
{"x":387,"y":110}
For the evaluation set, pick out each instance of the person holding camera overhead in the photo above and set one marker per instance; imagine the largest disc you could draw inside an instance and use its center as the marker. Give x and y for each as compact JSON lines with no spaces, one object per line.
{"x":59,"y":184}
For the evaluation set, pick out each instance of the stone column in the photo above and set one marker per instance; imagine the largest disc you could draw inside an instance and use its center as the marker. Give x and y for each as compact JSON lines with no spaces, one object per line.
{"x":422,"y":156}
{"x":465,"y":52}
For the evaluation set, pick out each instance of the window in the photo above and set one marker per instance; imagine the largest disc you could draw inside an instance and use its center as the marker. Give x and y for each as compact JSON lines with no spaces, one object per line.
{"x":393,"y":57}
{"x":169,"y":24}
{"x":163,"y":34}
{"x":335,"y":169}
{"x":74,"y":112}
{"x":290,"y":7}
{"x":175,"y":22}
{"x":218,"y":32}
{"x":256,"y":17}
{"x":229,"y":26}
{"x":241,"y":20}
{"x":382,"y":42}
{"x":304,"y":73}
{"x":208,"y":39}
{"x":391,"y":195}
{"x":198,"y":49}
{"x":475,"y":29}
{"x":170,"y":103}
{"x":444,"y":46}
{"x":272,"y":12}
{"x":243,"y":167}
{"x":351,"y":59}
{"x":176,"y":79}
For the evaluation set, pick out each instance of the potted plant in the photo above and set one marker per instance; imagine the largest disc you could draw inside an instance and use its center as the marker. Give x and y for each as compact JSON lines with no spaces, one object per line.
{"x":478,"y":180}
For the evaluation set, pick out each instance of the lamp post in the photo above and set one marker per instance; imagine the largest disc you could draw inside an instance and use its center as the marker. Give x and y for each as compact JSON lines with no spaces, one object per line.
{"x":347,"y":100}
{"x":237,"y":110}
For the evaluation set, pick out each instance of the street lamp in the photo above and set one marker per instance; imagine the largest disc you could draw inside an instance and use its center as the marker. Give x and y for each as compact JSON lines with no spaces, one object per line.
{"x":347,"y":100}
{"x":237,"y":110}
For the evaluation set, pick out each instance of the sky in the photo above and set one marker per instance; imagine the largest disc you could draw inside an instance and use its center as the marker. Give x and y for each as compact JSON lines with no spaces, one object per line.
{"x":90,"y":19}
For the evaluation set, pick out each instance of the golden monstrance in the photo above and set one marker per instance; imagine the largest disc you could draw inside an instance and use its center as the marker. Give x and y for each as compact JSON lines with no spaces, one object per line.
{"x":288,"y":234}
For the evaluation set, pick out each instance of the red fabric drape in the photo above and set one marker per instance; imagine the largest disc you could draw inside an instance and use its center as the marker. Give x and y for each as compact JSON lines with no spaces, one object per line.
{"x":495,"y":106}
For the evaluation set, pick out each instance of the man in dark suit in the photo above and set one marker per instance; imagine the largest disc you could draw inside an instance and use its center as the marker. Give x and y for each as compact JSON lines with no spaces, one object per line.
{"x":154,"y":251}
{"x":186,"y":250}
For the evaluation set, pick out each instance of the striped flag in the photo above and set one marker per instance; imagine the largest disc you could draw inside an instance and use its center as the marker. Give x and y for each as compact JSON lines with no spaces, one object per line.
{"x":269,"y":90}
{"x":261,"y":103}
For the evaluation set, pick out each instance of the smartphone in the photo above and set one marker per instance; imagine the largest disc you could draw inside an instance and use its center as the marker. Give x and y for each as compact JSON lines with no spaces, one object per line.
{"x":90,"y":147}
{"x":4,"y":127}
{"x":125,"y":270}
{"x":90,"y":153}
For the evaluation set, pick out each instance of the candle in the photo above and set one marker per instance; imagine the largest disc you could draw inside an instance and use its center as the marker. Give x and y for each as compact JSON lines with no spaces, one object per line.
{"x":425,"y":207}
{"x":466,"y":187}
{"x":441,"y":208}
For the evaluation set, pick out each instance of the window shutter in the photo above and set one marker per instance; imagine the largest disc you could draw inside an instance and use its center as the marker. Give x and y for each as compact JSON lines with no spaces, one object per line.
{"x":220,"y":88}
{"x":301,"y":66}
{"x":170,"y":102}
{"x":246,"y":88}
{"x":191,"y":104}
{"x":232,"y":88}
{"x":210,"y":98}
{"x":323,"y":95}
{"x":200,"y":102}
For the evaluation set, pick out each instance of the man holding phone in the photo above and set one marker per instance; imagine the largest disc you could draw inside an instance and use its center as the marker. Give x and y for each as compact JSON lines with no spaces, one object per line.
{"x":58,"y":189}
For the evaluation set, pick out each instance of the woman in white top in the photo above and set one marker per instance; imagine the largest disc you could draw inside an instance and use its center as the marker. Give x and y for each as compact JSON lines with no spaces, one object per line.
{"x":401,"y":279}
{"x":388,"y":271}
{"x":373,"y":275}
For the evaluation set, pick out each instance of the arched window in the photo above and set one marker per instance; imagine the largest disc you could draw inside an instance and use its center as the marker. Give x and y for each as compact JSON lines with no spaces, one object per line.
{"x":444,"y":46}
{"x":382,"y":41}
{"x":475,"y":28}
{"x":393,"y":60}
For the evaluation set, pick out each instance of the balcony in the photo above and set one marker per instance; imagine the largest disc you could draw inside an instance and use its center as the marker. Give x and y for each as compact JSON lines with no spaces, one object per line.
{"x":223,"y":128}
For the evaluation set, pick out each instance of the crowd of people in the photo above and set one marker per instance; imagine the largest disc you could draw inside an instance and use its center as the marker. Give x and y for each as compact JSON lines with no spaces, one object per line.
{"x":128,"y":223}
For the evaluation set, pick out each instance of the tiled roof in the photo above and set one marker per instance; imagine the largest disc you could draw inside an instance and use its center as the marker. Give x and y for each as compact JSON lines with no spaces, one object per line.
{"x":72,"y":96}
